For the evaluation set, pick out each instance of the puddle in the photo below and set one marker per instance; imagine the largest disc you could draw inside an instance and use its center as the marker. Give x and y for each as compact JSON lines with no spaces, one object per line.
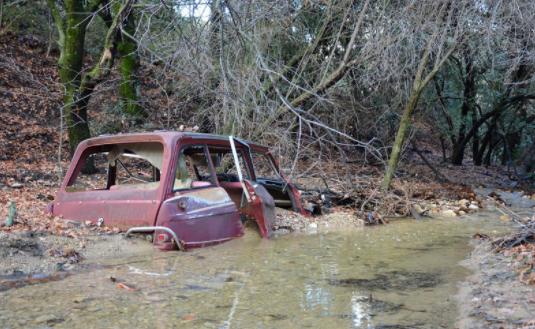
{"x":403,"y":275}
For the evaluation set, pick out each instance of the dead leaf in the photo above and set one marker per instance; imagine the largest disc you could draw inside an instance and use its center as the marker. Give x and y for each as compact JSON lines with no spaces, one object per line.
{"x":189,"y":317}
{"x":56,"y":253}
{"x":124,"y":286}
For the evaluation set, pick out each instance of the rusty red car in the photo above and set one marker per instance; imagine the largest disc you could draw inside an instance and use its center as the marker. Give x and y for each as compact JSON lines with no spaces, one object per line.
{"x":182,"y":189}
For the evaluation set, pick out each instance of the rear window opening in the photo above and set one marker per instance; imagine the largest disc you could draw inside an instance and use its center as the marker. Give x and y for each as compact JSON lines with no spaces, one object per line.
{"x":125,"y":166}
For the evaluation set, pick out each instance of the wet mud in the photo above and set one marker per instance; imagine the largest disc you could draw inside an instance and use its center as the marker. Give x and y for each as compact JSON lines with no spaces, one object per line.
{"x":27,"y":254}
{"x":398,"y":280}
{"x":493,"y":296}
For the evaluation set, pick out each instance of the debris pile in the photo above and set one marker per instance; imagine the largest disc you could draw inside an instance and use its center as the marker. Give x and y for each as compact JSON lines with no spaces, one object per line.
{"x":519,"y":245}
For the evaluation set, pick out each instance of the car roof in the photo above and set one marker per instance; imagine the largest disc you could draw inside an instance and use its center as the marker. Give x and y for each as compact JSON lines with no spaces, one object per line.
{"x":166,"y":136}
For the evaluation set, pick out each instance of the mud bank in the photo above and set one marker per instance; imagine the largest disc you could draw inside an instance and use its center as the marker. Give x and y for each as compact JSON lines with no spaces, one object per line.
{"x":493,"y":297}
{"x":28,"y":253}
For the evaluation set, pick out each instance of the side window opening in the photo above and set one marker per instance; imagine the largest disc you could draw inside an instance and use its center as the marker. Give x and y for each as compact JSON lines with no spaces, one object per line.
{"x":134,"y":172}
{"x":97,"y":180}
{"x":264,"y":167}
{"x":193,"y":168}
{"x":226,"y":168}
{"x":120,"y":166}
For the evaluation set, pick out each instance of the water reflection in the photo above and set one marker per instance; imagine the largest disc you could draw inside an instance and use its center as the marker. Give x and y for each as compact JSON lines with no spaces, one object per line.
{"x":360,"y":311}
{"x":401,"y":274}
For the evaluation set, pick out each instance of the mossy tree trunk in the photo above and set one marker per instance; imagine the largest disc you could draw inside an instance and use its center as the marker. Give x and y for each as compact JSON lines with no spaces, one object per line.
{"x":400,"y":137}
{"x":77,"y":86}
{"x":70,"y":73}
{"x":419,"y":83}
{"x":129,"y":82}
{"x":72,"y":42}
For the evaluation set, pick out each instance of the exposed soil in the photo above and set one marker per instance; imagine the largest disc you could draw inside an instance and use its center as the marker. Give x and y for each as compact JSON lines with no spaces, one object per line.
{"x":493,"y":296}
{"x":27,"y":253}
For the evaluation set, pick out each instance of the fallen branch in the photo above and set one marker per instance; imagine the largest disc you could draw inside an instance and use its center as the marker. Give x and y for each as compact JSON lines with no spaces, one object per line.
{"x":415,"y":213}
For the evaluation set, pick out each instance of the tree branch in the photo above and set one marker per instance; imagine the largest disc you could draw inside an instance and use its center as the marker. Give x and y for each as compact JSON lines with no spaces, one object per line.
{"x":60,"y":24}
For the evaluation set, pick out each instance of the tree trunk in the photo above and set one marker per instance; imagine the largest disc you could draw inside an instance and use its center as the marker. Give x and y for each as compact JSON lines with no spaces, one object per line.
{"x":475,"y":140}
{"x":443,"y":145}
{"x":420,"y":82}
{"x":464,"y":113}
{"x":71,"y":64}
{"x":400,"y":137}
{"x":492,"y":146}
{"x":468,"y":100}
{"x":1,"y":13}
{"x":129,"y":82}
{"x":487,"y":141}
{"x":77,"y":91}
{"x":511,"y":140}
{"x":457,"y":156}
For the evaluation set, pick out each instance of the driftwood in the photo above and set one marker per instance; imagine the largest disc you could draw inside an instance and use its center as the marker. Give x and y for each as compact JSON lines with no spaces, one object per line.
{"x":415,"y":213}
{"x":526,"y":234}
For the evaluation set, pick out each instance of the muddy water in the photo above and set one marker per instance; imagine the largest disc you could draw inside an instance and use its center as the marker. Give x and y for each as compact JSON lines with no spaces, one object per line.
{"x":395,"y":276}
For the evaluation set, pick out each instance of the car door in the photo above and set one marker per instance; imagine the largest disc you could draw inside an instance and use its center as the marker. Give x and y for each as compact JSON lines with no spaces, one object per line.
{"x":260,"y":201}
{"x":197,"y":210}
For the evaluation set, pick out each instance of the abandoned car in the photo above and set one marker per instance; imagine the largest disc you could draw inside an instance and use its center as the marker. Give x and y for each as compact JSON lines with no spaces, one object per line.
{"x":181,"y":189}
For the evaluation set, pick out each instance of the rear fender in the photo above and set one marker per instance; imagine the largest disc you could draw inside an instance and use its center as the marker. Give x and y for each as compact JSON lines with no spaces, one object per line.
{"x":199,"y":218}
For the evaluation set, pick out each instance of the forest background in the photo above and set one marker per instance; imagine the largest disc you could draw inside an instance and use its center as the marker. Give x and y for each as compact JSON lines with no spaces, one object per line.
{"x":345,"y":92}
